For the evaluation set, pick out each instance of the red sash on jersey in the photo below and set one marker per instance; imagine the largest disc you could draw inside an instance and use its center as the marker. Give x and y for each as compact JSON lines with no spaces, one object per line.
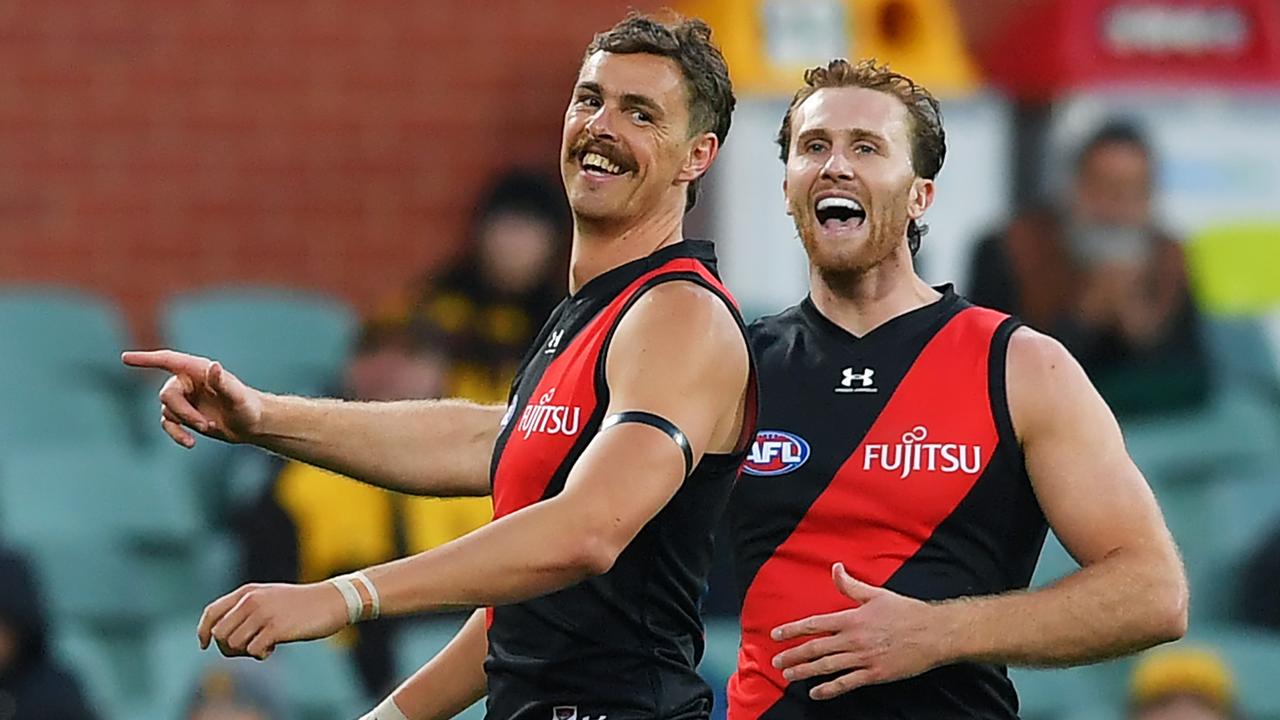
{"x":873,"y":520}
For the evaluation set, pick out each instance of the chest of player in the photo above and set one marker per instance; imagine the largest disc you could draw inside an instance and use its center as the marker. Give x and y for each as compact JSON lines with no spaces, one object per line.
{"x":556,"y":407}
{"x":881,"y":434}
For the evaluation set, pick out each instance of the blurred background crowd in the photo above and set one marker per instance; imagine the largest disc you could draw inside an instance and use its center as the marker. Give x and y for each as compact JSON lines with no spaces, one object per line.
{"x":358,"y":199}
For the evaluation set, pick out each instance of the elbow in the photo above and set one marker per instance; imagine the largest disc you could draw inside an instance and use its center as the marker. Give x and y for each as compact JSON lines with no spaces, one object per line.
{"x":594,"y":553}
{"x":1170,"y":608}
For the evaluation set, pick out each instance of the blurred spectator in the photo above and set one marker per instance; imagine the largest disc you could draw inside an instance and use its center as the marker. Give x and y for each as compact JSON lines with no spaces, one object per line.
{"x":32,"y":686}
{"x":1099,"y":274}
{"x":235,"y":691}
{"x":1182,"y":683}
{"x":497,"y":296}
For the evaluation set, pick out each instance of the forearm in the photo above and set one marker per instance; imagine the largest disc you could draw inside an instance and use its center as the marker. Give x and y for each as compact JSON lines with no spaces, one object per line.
{"x":451,"y":681}
{"x":1124,"y":603}
{"x":530,"y":553}
{"x":422,"y":447}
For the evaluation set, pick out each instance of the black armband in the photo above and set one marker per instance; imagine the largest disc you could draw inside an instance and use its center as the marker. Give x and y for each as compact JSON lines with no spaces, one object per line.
{"x":655,"y":421}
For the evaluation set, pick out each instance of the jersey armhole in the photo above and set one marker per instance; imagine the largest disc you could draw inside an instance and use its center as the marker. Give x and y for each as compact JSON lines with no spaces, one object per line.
{"x":998,"y":386}
{"x":749,"y":417}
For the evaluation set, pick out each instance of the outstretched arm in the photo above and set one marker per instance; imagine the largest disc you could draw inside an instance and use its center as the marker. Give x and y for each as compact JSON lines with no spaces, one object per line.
{"x":1129,"y":594}
{"x":422,"y":447}
{"x":678,"y":354}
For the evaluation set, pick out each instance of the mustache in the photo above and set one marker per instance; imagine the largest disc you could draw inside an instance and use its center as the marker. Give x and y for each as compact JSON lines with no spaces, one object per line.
{"x":614,"y":153}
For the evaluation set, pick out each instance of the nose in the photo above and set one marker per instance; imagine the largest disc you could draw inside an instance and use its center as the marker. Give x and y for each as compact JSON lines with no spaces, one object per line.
{"x":600,"y":124}
{"x":837,"y":167}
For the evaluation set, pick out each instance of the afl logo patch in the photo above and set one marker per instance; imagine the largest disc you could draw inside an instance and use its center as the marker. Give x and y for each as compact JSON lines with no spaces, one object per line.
{"x":776,"y":452}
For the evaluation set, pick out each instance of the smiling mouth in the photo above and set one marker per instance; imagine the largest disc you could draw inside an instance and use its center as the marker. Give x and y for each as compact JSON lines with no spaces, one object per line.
{"x":834,"y":213}
{"x":596,"y":164}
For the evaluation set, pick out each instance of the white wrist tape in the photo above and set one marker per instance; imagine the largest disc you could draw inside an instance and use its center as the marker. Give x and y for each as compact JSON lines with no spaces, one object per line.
{"x":346,"y":585}
{"x":375,"y":610}
{"x":386,"y":710}
{"x":349,"y":595}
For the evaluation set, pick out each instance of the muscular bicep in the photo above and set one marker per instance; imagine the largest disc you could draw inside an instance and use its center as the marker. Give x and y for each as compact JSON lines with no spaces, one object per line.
{"x":680,"y":355}
{"x":1093,"y":496}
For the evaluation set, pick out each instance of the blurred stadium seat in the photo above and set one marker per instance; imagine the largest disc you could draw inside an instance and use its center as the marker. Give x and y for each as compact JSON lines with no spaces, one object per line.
{"x":316,"y":679}
{"x":84,"y":508}
{"x":419,"y":641}
{"x":720,"y":659}
{"x":60,"y":375}
{"x":1050,"y":694}
{"x":278,"y":340}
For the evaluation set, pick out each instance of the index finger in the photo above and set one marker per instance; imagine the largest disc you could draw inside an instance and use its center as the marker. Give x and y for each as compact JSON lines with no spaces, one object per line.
{"x":164,"y":359}
{"x":812,"y":625}
{"x":214,"y":612}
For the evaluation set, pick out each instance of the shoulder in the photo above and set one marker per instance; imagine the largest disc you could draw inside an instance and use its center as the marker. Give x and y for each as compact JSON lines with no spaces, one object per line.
{"x":683,"y":307}
{"x":1045,"y":382}
{"x":1037,"y":356}
{"x":680,"y":319}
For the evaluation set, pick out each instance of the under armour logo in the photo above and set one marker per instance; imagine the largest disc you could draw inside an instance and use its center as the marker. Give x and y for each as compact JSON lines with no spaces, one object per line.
{"x":554,"y":342}
{"x":857,"y":382}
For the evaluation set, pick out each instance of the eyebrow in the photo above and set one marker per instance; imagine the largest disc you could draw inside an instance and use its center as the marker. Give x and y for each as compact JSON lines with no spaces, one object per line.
{"x":855,"y":133}
{"x":642,"y":101}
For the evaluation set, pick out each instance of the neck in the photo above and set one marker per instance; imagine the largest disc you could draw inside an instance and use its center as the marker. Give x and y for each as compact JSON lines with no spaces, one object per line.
{"x":860,"y":301}
{"x":601,"y":247}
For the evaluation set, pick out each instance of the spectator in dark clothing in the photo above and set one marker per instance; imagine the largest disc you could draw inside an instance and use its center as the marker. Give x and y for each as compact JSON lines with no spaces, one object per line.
{"x":32,"y":685}
{"x":1099,"y":275}
{"x":499,"y":293}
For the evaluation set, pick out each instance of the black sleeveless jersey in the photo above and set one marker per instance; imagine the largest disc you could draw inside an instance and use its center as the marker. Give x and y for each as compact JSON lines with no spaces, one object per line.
{"x":623,"y":644}
{"x":895,"y":454}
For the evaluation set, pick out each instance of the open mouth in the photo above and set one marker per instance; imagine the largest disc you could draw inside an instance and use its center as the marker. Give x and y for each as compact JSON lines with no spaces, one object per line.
{"x":836,"y":212}
{"x":596,"y":164}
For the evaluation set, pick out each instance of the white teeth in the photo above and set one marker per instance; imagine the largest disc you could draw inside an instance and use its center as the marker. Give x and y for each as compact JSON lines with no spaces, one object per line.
{"x":839,"y":202}
{"x":599,"y":161}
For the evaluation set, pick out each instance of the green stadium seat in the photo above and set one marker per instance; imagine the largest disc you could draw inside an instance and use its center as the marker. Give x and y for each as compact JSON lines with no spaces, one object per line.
{"x":176,"y":665}
{"x":60,"y":375}
{"x":421,"y":640}
{"x":95,"y":492}
{"x":320,"y":681}
{"x":720,"y":658}
{"x":107,"y":665}
{"x":1238,"y":513}
{"x":109,"y":500}
{"x":1052,"y":693}
{"x":1237,"y":430}
{"x":1243,"y":354}
{"x":278,"y":340}
{"x":317,"y":680}
{"x":1054,"y":563}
